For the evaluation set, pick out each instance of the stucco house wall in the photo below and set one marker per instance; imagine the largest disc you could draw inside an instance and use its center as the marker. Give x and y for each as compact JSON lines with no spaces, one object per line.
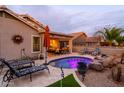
{"x":9,"y":28}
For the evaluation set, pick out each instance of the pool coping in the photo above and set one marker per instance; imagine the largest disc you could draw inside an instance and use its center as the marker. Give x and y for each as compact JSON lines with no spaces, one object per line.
{"x":54,"y":58}
{"x":77,"y":79}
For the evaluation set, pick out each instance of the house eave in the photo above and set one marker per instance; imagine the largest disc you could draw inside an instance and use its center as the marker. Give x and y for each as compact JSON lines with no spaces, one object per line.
{"x":19,"y":18}
{"x":58,"y":34}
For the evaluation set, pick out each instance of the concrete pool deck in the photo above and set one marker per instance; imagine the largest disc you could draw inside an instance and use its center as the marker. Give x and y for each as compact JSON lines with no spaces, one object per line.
{"x":42,"y":79}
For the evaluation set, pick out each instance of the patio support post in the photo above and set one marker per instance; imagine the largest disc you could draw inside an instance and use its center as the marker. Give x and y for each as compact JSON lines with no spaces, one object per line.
{"x":70,"y":46}
{"x":46,"y":55}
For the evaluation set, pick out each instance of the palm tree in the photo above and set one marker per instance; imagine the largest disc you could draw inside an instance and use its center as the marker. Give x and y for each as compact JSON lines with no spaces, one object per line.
{"x":120,"y":40}
{"x":110,"y":33}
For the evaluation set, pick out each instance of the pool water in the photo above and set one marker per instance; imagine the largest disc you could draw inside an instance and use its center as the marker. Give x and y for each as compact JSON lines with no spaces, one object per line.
{"x":69,"y":62}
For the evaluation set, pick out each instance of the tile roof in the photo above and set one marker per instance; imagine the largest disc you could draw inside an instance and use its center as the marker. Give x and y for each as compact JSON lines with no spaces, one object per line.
{"x":92,"y":39}
{"x":77,"y":34}
{"x":31,"y":18}
{"x":5,"y":9}
{"x":35,"y":25}
{"x":86,"y":38}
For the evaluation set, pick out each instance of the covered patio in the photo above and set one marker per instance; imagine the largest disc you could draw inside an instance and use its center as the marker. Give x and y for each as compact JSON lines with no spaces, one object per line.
{"x":59,"y":43}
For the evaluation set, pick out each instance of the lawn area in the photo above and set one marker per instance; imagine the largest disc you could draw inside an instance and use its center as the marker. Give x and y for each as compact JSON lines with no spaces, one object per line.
{"x":68,"y":81}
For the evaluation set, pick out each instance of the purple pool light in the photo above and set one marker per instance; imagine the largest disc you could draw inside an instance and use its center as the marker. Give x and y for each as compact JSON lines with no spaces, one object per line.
{"x":70,"y":62}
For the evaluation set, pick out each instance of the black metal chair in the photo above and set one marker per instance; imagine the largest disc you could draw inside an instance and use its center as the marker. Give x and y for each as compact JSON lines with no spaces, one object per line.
{"x":1,"y":67}
{"x":15,"y":72}
{"x":22,"y":63}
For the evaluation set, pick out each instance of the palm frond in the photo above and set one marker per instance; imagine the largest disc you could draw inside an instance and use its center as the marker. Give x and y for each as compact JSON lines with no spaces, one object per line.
{"x":110,"y":33}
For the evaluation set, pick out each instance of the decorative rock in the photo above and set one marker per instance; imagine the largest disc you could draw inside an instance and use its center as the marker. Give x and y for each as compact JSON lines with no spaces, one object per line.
{"x":98,"y":57}
{"x":96,"y":66}
{"x":117,"y":61}
{"x":122,"y":58}
{"x":107,"y":62}
{"x":117,"y":73}
{"x":122,"y":75}
{"x":111,"y":61}
{"x":114,"y":73}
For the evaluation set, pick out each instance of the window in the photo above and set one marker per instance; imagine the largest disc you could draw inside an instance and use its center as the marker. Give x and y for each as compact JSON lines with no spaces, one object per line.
{"x":36,"y":44}
{"x":54,"y":43}
{"x":63,"y":44}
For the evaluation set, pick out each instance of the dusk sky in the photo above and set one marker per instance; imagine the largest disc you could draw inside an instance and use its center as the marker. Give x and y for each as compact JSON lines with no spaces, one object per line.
{"x":74,"y":18}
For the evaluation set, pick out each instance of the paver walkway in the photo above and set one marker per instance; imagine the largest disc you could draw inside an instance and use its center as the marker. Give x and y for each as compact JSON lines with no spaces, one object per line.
{"x":41,"y":79}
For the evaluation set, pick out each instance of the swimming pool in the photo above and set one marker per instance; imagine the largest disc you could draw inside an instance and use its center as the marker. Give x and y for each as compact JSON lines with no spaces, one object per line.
{"x":69,"y":62}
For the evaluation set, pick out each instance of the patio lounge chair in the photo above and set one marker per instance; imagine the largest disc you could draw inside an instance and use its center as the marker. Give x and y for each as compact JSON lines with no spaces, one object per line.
{"x":22,"y":63}
{"x":15,"y":72}
{"x":19,"y":63}
{"x":1,"y":67}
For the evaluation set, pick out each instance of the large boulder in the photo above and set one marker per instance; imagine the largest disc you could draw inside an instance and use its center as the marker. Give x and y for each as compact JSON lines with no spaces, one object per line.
{"x":107,"y":62}
{"x":117,"y":73}
{"x":96,"y":66}
{"x":98,"y":58}
{"x":117,"y":60}
{"x":122,"y":58}
{"x":110,"y":61}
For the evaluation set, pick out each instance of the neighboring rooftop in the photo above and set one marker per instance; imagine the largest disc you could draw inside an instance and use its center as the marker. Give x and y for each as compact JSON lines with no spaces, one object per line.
{"x":92,"y":39}
{"x":78,"y":33}
{"x":82,"y":37}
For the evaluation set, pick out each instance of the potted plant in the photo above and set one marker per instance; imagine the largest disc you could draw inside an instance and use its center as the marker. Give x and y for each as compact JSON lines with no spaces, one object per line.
{"x":82,"y":69}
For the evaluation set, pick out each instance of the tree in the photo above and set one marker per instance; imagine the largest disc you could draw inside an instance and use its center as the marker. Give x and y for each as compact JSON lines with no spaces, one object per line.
{"x":120,"y":40}
{"x":110,"y":33}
